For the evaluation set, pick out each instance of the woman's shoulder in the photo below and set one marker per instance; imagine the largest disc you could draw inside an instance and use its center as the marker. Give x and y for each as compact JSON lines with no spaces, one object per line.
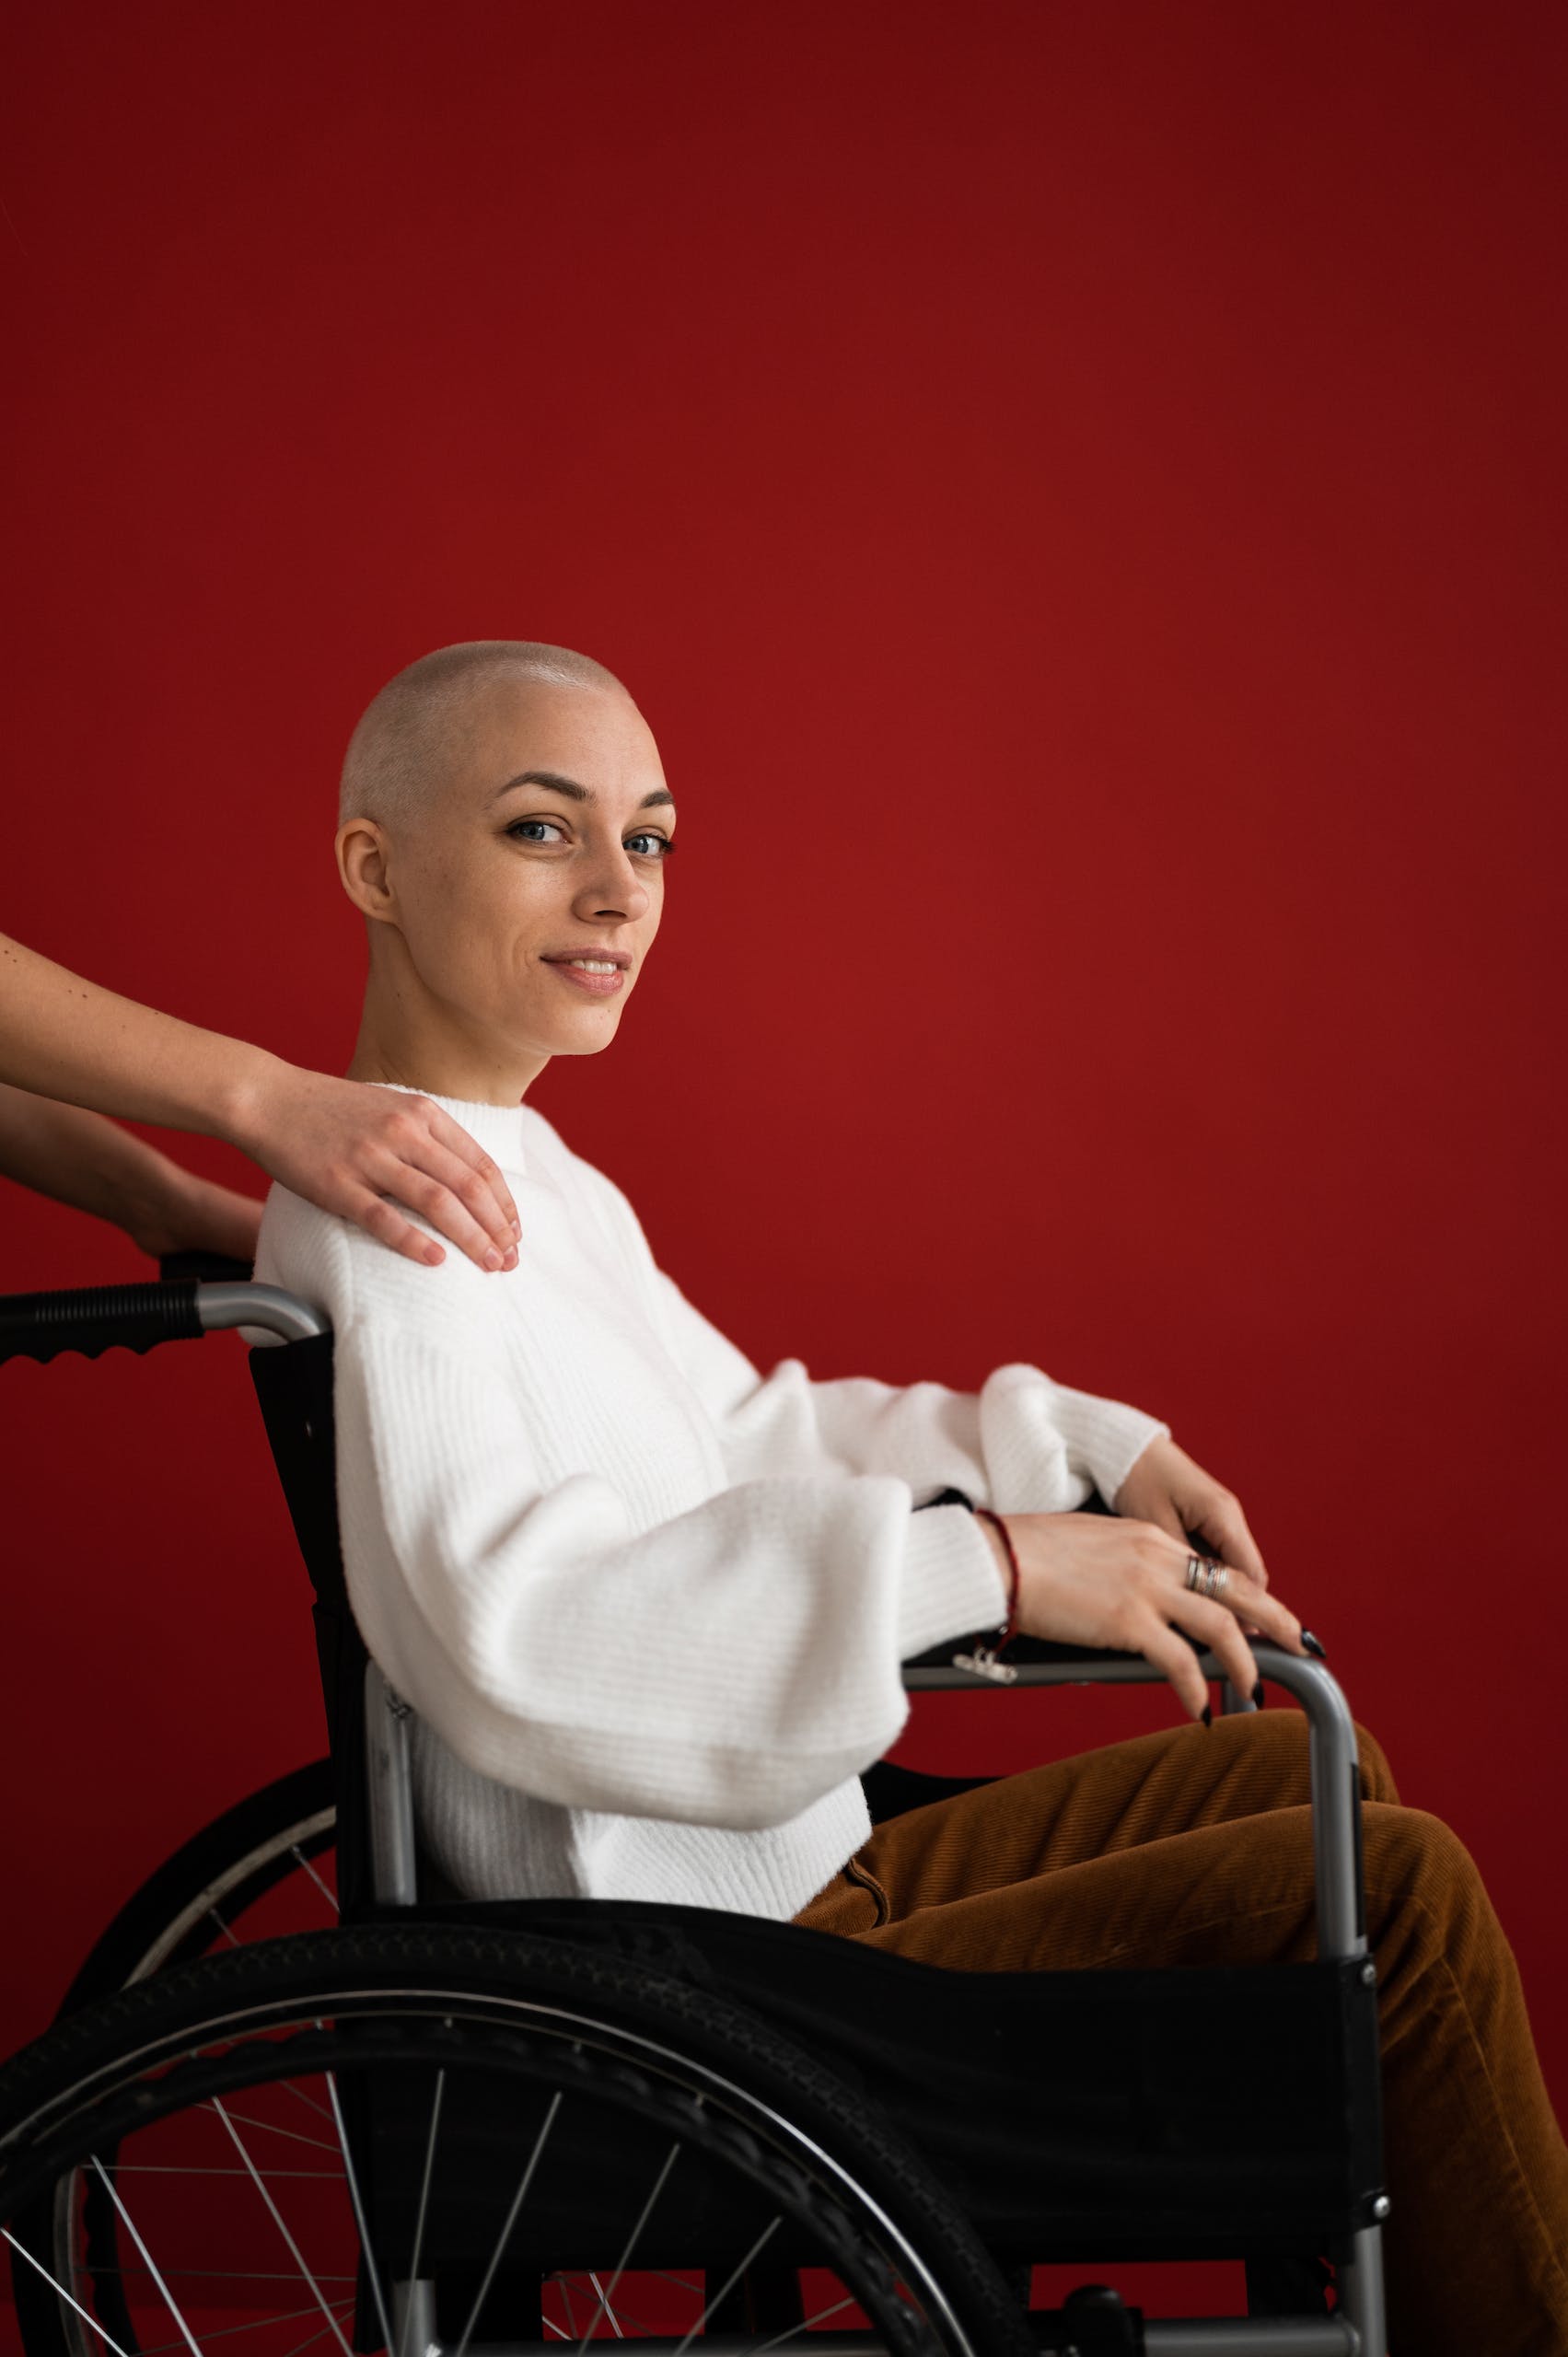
{"x":363,"y":1283}
{"x":549,"y":1156}
{"x":584,"y":1183}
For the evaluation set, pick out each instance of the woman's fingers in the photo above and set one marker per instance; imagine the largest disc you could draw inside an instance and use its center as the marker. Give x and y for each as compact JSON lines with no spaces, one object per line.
{"x":1222,"y":1532}
{"x":1256,"y":1610}
{"x":1223,"y":1622}
{"x":1169,"y":1653}
{"x":1221,"y":1631}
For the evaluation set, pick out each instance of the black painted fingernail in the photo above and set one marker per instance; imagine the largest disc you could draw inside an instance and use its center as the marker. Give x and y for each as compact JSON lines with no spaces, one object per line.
{"x":1314,"y":1645}
{"x":1208,"y":1715}
{"x":1258,"y":1695}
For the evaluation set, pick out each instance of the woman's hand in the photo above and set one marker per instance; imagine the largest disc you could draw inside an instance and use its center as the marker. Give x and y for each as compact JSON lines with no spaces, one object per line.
{"x":361,"y":1152}
{"x":1166,"y":1488}
{"x":1093,"y":1579}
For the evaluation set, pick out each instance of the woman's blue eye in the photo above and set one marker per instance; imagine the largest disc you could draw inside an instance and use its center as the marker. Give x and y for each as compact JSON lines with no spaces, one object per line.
{"x":646,"y":835}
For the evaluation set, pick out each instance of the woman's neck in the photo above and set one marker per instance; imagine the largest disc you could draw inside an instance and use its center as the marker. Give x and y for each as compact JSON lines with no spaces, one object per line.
{"x":419,"y":1050}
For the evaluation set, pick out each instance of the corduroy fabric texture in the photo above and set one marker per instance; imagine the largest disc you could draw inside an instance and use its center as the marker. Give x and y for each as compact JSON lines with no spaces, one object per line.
{"x":1193,"y":1848}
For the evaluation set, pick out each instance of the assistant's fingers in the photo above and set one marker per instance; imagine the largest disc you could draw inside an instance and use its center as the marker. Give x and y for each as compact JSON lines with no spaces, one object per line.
{"x":418,"y":1193}
{"x":387,"y":1224}
{"x":452,"y":1196}
{"x":483,"y":1182}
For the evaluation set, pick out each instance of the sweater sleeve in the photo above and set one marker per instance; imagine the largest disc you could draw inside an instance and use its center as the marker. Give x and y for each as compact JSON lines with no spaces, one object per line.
{"x":727,"y":1666}
{"x":1023,"y":1444}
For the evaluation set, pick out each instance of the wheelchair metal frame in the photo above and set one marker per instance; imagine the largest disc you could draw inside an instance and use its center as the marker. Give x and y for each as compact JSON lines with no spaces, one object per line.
{"x":145,"y":1315}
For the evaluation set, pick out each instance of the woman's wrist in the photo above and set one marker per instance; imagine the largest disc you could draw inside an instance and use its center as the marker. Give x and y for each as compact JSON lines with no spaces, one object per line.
{"x":996,"y":1530}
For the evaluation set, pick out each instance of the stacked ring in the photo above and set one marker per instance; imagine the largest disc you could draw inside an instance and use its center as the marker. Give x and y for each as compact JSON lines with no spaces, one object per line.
{"x":1207,"y":1577}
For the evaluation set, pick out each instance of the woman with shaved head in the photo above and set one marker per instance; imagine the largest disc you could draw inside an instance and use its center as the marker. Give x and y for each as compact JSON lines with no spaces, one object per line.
{"x":648,"y":1606}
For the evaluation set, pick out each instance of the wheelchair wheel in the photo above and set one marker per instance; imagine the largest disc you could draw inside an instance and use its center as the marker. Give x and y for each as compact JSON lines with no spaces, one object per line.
{"x":262,"y":1868}
{"x":405,"y":2139}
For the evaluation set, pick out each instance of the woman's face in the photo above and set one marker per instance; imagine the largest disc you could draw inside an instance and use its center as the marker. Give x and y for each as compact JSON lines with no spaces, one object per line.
{"x":549,"y":839}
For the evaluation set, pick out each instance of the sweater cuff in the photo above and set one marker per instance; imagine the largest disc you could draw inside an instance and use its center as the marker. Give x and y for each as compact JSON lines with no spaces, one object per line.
{"x":953,"y":1584}
{"x":1104,"y":1438}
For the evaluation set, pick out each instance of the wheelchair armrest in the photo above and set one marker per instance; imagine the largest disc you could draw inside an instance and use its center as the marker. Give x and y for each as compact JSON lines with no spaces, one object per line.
{"x":1334,"y":1755}
{"x":1021,"y":1651}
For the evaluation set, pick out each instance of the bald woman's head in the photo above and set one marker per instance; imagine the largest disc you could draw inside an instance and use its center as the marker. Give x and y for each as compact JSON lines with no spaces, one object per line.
{"x":418,"y":733}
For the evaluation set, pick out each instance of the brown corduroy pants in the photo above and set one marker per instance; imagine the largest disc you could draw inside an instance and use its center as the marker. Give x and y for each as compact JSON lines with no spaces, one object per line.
{"x":1194,"y":1847}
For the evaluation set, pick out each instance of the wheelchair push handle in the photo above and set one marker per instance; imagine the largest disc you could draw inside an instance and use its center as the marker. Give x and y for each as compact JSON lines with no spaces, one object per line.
{"x":95,"y":1318}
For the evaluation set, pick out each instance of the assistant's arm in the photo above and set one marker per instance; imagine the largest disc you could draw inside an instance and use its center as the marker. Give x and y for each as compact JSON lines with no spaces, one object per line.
{"x":93,"y":1165}
{"x":351,"y":1149}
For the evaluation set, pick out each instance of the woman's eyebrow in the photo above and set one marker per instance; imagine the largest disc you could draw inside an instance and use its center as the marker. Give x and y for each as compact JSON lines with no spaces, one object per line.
{"x":568,"y":785}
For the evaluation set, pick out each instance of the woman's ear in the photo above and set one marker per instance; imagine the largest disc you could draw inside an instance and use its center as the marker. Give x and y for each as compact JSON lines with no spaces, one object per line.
{"x":363,"y":868}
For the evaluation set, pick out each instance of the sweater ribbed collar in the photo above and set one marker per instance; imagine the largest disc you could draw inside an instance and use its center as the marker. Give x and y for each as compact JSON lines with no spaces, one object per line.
{"x":497,"y":1128}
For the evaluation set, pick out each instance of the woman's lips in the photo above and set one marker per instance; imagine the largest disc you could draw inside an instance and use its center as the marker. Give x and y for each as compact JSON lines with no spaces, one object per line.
{"x":596,"y":985}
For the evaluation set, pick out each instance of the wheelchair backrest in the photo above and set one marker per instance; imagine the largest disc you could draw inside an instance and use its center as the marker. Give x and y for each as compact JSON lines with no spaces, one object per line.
{"x":294,"y":1386}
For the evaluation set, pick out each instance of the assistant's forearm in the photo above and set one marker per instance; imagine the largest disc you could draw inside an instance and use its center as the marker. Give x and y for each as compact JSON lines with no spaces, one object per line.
{"x":81,"y":1159}
{"x":65,"y":1038}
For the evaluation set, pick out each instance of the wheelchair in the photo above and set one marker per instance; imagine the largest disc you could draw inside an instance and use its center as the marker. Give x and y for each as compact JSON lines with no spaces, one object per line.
{"x":437,"y":2127}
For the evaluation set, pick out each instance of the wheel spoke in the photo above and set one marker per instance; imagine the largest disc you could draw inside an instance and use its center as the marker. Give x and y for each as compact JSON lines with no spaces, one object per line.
{"x":278,"y":2220}
{"x":804,"y":2325}
{"x":505,"y":2234}
{"x":571,"y":2313}
{"x":309,"y":2338}
{"x":66,"y":2295}
{"x":605,"y":2297}
{"x":418,"y":2251}
{"x":728,"y":2285}
{"x":247,"y":2121}
{"x":215,"y":2168}
{"x":161,"y":2348}
{"x":359,"y":2219}
{"x":604,"y":2306}
{"x":152,"y":2267}
{"x":298,"y":1854}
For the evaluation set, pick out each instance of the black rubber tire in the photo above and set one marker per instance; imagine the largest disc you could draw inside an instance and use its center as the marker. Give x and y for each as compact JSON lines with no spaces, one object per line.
{"x":242,"y":1854}
{"x":48,"y":2095}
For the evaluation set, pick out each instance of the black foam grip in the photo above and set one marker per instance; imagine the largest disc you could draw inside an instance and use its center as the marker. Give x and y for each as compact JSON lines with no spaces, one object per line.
{"x":94,"y":1319}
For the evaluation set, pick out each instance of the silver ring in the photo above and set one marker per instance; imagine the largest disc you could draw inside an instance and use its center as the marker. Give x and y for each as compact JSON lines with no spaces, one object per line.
{"x":1206,"y":1577}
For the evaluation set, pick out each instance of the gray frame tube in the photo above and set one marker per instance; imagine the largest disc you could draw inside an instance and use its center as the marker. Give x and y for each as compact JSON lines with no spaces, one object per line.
{"x":283,"y":1316}
{"x":1332,"y":1751}
{"x":389,"y":1790}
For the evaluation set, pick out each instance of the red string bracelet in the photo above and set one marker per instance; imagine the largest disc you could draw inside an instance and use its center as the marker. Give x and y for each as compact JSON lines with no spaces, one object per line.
{"x":1009,"y":1627}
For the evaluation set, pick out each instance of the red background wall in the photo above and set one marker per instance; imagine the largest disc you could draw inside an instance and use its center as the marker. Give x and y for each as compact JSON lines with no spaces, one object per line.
{"x":1079,"y":495}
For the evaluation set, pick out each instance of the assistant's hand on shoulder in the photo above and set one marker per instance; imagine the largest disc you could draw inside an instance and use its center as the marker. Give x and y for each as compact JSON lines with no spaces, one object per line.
{"x":371,"y":1155}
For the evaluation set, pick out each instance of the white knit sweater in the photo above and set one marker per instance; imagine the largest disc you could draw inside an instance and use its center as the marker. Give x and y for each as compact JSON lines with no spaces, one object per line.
{"x":648,"y":1606}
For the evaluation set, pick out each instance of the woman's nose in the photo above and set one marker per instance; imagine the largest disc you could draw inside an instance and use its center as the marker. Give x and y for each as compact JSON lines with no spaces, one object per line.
{"x":612,"y":880}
